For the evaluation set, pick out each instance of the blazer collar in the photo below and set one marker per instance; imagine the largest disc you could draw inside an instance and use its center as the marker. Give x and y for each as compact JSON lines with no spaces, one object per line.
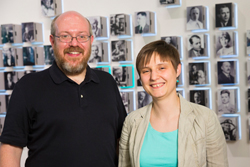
{"x":186,"y":120}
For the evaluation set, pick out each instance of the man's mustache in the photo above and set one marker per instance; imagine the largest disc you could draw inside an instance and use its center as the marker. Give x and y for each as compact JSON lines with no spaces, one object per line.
{"x":73,"y":49}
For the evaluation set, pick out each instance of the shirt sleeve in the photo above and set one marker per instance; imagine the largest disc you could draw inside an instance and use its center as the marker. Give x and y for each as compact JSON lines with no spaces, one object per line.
{"x":16,"y":123}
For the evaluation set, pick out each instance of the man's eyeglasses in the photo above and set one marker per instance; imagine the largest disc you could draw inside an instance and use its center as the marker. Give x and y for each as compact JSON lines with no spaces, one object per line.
{"x":69,"y":38}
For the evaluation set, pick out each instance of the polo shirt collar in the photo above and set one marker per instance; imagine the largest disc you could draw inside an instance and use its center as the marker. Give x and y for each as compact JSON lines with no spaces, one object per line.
{"x":58,"y":76}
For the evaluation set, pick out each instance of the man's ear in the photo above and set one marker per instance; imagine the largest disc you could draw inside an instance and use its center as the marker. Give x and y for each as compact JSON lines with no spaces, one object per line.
{"x":52,"y":40}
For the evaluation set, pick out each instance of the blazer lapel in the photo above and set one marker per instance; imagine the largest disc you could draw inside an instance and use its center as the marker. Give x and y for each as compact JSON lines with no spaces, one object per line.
{"x":142,"y":124}
{"x":185,"y":126}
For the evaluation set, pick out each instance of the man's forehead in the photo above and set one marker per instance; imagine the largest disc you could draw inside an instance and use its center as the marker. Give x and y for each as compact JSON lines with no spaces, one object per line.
{"x":224,"y":9}
{"x":71,"y":19}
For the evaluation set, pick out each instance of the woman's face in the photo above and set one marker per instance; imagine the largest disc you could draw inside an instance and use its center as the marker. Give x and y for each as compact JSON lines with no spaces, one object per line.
{"x":223,"y":41}
{"x":159,"y":78}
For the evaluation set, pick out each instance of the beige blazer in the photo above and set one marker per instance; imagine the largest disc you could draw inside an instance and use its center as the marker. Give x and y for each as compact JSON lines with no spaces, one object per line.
{"x":201,"y":142}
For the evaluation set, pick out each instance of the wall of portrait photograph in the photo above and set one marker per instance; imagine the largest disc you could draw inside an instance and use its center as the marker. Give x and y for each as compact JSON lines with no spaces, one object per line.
{"x":221,"y":52}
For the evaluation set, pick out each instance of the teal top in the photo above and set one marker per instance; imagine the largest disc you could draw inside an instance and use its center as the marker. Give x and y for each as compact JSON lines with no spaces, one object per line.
{"x":159,"y":149}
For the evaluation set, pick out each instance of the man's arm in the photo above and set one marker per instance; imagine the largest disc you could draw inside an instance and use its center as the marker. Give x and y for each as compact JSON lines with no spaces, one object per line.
{"x":10,"y":155}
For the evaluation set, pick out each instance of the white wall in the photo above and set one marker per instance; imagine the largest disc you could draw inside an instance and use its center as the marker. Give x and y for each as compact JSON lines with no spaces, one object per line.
{"x":170,"y":22}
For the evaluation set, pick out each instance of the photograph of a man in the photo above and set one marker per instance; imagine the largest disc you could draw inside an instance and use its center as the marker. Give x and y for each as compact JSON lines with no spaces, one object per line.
{"x":226,"y":72}
{"x":196,"y":46}
{"x":118,"y":50}
{"x":9,"y":80}
{"x":197,"y":73}
{"x":49,"y":54}
{"x":142,"y":22}
{"x":120,"y":75}
{"x":96,"y":53}
{"x":28,"y":56}
{"x":223,"y":15}
{"x":194,"y":18}
{"x":248,"y":41}
{"x":117,"y":24}
{"x":198,"y":97}
{"x":7,"y":33}
{"x":226,"y":100}
{"x":96,"y":26}
{"x":143,"y":99}
{"x":48,"y":7}
{"x":125,"y":100}
{"x":8,"y":57}
{"x":167,"y":2}
{"x":2,"y":118}
{"x":28,"y":32}
{"x":229,"y":127}
{"x":172,"y":40}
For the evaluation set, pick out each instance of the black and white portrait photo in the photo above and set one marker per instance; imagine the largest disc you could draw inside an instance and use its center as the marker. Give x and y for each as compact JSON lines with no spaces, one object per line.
{"x":118,"y":50}
{"x":198,"y":97}
{"x":28,"y":32}
{"x":2,"y":118}
{"x":142,"y":22}
{"x":248,"y":41}
{"x":29,"y":71}
{"x":229,"y":127}
{"x":138,"y":80}
{"x":96,"y":53}
{"x":248,"y":71}
{"x":8,"y":57}
{"x":225,"y":43}
{"x":226,"y":72}
{"x":143,"y":99}
{"x":28,"y":56}
{"x":248,"y":99}
{"x":117,"y":24}
{"x":49,"y":54}
{"x":7,"y":33}
{"x":120,"y":75}
{"x":48,"y":7}
{"x":95,"y":25}
{"x":125,"y":100}
{"x":196,"y":45}
{"x":10,"y":79}
{"x":197,"y":73}
{"x":194,"y":17}
{"x":223,"y":13}
{"x":7,"y":101}
{"x":167,"y":1}
{"x":171,"y":40}
{"x":227,"y":99}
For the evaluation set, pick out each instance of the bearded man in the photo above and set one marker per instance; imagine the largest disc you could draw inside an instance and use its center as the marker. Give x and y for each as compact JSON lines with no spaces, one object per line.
{"x":68,"y":114}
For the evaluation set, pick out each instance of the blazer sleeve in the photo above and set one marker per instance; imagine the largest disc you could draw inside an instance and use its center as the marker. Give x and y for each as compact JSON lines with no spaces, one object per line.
{"x":215,"y":143}
{"x":124,"y":159}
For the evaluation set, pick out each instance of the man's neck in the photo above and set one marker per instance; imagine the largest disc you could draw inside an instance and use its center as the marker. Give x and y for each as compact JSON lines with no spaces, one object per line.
{"x":226,"y":74}
{"x":78,"y":78}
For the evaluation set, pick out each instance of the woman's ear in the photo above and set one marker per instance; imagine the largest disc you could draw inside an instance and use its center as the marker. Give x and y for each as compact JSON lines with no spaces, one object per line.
{"x":178,"y":71}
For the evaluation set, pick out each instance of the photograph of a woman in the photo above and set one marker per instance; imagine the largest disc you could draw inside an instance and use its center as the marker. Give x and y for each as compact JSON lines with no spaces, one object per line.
{"x":170,"y":131}
{"x":225,"y":44}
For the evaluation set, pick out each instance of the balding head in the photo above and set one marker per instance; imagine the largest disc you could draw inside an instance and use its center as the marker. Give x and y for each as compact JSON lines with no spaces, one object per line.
{"x":67,"y":16}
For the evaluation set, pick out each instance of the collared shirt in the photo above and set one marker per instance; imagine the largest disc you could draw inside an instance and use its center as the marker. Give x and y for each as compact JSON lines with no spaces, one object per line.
{"x":63,"y":123}
{"x":192,"y":25}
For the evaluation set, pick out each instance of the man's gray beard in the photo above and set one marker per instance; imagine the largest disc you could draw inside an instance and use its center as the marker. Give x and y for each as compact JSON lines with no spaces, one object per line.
{"x":67,"y":68}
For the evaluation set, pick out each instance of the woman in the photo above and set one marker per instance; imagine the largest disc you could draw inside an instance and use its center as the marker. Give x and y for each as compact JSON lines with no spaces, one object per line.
{"x":170,"y":131}
{"x":225,"y":49}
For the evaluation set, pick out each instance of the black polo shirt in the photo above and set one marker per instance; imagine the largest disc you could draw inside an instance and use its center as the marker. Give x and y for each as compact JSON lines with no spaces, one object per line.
{"x":64,"y":124}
